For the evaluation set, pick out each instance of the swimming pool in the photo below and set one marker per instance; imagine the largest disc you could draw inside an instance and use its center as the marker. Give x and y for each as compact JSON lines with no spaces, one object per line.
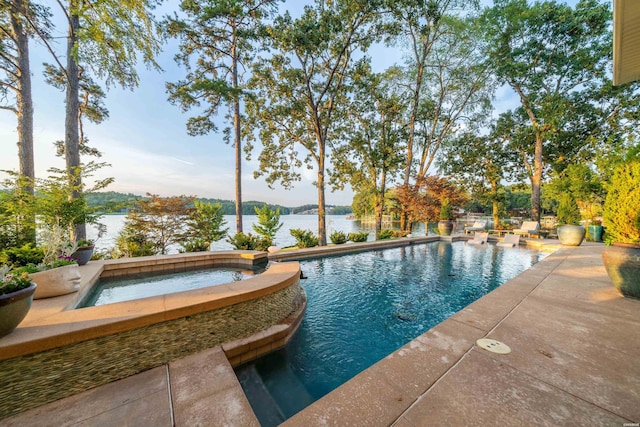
{"x":118,"y":290}
{"x":363,"y":307}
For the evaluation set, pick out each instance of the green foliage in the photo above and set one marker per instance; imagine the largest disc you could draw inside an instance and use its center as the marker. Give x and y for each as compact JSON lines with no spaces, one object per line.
{"x":556,"y":58}
{"x":85,"y":242}
{"x":196,"y":245}
{"x":385,"y":235}
{"x":268,"y":223}
{"x":214,"y":37}
{"x":156,"y":224}
{"x":301,"y":90}
{"x":446,"y":211}
{"x":111,"y":201}
{"x":377,"y":137}
{"x":339,"y":210}
{"x":11,"y":281}
{"x":17,"y":213}
{"x":249,"y":242}
{"x":568,"y":211}
{"x":134,"y":240}
{"x":204,"y":226}
{"x":338,"y":237}
{"x":622,"y":206}
{"x":304,"y":238}
{"x":20,"y":256}
{"x":360,"y":236}
{"x":61,"y":203}
{"x":584,"y":186}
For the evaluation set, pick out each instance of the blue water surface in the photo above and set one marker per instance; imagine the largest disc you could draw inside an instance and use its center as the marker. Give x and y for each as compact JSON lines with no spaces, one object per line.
{"x":148,"y":285}
{"x":364,"y":306}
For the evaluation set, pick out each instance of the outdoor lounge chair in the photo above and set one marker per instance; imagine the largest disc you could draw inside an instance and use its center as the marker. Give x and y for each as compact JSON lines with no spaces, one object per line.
{"x":528,"y":228}
{"x":477,"y":226}
{"x":510,"y":241}
{"x":478,"y":239}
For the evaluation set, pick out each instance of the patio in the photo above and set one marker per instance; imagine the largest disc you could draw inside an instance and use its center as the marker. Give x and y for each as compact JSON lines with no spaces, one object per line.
{"x":574,"y":343}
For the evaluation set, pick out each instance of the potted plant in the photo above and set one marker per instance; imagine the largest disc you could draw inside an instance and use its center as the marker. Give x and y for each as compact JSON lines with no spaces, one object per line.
{"x":622,"y":224}
{"x":570,"y":233}
{"x":84,"y":251}
{"x":595,"y":230}
{"x":58,"y":274}
{"x":445,"y":225}
{"x":16,"y":296}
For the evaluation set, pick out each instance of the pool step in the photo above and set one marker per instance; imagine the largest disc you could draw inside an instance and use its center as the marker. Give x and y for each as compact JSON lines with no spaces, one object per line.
{"x":273,"y":389}
{"x":262,"y":403}
{"x":283,"y":384}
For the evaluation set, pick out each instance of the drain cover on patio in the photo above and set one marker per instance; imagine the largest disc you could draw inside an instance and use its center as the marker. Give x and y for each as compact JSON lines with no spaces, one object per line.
{"x":493,"y":346}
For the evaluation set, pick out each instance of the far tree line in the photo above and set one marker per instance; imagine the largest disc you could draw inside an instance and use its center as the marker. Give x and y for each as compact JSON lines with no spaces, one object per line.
{"x":114,"y":202}
{"x":303,"y":92}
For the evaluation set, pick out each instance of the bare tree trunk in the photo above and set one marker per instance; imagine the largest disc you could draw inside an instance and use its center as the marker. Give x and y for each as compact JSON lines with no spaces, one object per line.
{"x":496,"y":205}
{"x":24,"y":100}
{"x":322,"y":228}
{"x":238,"y":142}
{"x":380,"y":203}
{"x":24,"y":110}
{"x":72,"y":136}
{"x":536,"y":179}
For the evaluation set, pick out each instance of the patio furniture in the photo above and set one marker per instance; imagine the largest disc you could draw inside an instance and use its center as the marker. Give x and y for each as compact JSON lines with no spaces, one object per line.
{"x":510,"y":241}
{"x":477,"y":226}
{"x":528,"y":228}
{"x":478,"y":239}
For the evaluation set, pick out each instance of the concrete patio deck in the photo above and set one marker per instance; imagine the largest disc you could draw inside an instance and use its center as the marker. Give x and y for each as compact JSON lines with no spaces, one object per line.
{"x":574,"y":361}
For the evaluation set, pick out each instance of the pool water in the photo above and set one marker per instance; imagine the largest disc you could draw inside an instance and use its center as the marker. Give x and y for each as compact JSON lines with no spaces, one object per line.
{"x":365,"y":306}
{"x":110,"y":291}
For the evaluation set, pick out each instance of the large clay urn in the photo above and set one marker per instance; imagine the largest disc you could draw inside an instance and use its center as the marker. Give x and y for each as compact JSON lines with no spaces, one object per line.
{"x":622,"y":262}
{"x":571,"y":235}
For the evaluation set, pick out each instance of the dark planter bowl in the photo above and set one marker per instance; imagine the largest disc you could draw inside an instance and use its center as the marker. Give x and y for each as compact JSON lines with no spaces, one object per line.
{"x":571,"y":235}
{"x":83,"y":254}
{"x":445,"y":228}
{"x":14,"y":307}
{"x":622,"y":262}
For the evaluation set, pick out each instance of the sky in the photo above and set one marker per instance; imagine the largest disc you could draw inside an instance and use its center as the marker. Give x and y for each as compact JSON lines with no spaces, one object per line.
{"x":145,"y":139}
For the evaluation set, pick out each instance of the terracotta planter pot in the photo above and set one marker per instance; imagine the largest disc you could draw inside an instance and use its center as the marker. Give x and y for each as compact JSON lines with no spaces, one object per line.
{"x":571,"y":235}
{"x":83,"y":254}
{"x":57,"y":281}
{"x":445,"y":228}
{"x":622,"y":262}
{"x":14,"y":307}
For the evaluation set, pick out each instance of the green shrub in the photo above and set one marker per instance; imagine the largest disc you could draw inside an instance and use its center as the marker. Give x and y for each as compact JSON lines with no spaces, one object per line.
{"x":385,"y":234}
{"x":361,"y":236}
{"x":204,"y":226}
{"x":446,"y":211}
{"x":568,"y":211}
{"x":268,"y":222}
{"x":17,"y":257}
{"x":249,"y":242}
{"x":400,"y":233}
{"x":338,"y":238}
{"x":304,"y":238}
{"x":622,"y":206}
{"x":196,"y":245}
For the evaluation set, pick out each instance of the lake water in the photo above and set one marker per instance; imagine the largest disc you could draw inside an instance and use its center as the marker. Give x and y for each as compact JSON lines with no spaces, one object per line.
{"x":115,"y":223}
